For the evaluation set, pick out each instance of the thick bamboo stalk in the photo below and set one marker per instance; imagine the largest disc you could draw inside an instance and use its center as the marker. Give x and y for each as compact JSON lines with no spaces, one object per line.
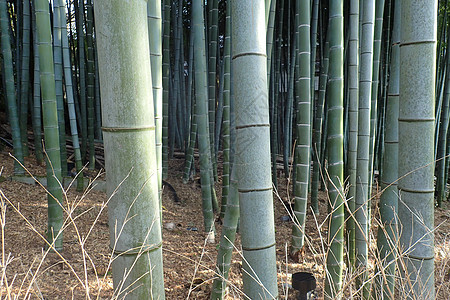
{"x":253,"y":164}
{"x":416,"y":155}
{"x":130,"y":153}
{"x":387,"y":238}
{"x":303,"y":130}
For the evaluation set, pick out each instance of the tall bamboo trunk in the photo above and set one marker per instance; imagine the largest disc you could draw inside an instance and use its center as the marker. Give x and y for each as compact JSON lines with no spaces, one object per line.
{"x":416,"y":147}
{"x":253,"y":164}
{"x":201,"y":91}
{"x":25,"y":75}
{"x":303,"y":131}
{"x":212,"y":61}
{"x":362,"y":213}
{"x":130,"y":152}
{"x":335,"y":143}
{"x":37,"y":121}
{"x":226,"y":140}
{"x":57,"y":56}
{"x":387,"y":238}
{"x":70,"y":97}
{"x":353,"y":86}
{"x":50,"y":120}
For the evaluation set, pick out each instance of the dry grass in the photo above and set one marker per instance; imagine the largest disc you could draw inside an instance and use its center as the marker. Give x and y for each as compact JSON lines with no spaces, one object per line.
{"x":83,"y":269}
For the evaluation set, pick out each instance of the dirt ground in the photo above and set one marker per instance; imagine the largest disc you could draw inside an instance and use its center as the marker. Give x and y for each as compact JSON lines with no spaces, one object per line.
{"x":189,"y":262}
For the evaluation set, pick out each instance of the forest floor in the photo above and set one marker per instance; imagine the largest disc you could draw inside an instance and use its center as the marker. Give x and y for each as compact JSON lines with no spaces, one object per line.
{"x":189,"y":262}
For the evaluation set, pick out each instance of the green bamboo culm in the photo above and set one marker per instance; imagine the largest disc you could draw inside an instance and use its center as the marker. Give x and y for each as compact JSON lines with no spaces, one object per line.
{"x":190,"y":83}
{"x":378,"y":30}
{"x":387,"y":237}
{"x":271,"y":88}
{"x":192,"y":126}
{"x":386,"y":58}
{"x":289,"y":110}
{"x":228,"y":236}
{"x":97,"y":99}
{"x":268,"y":3}
{"x":212,"y":61}
{"x":442,"y":122}
{"x":416,"y":155}
{"x":130,"y":152}
{"x":190,"y":150}
{"x":314,"y":26}
{"x":50,"y":120}
{"x":25,"y":75}
{"x":201,"y":110}
{"x":335,"y":142}
{"x":317,"y":128}
{"x":70,"y":97}
{"x":226,"y":139}
{"x":36,"y":119}
{"x":165,"y":84}
{"x":313,"y":40}
{"x":270,"y":31}
{"x":178,"y":95}
{"x":90,"y":82}
{"x":154,"y":32}
{"x":252,"y":158}
{"x":10,"y":88}
{"x":57,"y":56}
{"x":219,"y":111}
{"x":362,"y":214}
{"x":82,"y":79}
{"x":442,"y":144}
{"x":191,"y":116}
{"x":353,"y":90}
{"x":303,"y":130}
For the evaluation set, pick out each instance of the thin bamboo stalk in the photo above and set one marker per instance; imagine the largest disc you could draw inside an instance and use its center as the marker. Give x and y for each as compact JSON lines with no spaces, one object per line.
{"x":335,"y":254}
{"x":50,"y":120}
{"x":202,"y":116}
{"x":10,"y":89}
{"x":70,"y":97}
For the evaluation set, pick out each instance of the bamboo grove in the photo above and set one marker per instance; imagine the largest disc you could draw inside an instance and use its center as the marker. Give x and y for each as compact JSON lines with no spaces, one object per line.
{"x":334,"y":95}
